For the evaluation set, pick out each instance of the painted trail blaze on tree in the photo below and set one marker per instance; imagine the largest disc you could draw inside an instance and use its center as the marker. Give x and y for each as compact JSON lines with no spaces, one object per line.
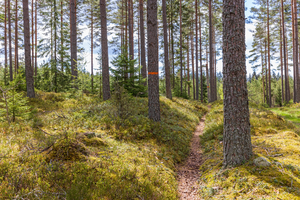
{"x":237,"y":140}
{"x":153,"y":85}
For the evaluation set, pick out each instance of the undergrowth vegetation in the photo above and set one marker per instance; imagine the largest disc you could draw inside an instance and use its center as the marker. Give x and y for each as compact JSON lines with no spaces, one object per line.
{"x":77,"y":147}
{"x":273,"y":137}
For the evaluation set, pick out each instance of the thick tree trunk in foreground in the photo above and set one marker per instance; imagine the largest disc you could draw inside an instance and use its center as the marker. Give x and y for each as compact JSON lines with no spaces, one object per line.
{"x":28,"y":68}
{"x":167,"y":66}
{"x":287,"y":99}
{"x":73,"y":39}
{"x":153,"y":84}
{"x":105,"y":66}
{"x":237,"y":140}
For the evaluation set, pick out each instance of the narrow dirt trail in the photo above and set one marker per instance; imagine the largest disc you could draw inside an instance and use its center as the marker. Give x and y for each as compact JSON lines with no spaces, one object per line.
{"x":188,"y":172}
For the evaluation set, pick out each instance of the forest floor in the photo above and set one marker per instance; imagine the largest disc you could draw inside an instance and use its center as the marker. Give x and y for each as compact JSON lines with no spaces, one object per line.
{"x":273,"y":137}
{"x":74,"y":146}
{"x":188,"y":172}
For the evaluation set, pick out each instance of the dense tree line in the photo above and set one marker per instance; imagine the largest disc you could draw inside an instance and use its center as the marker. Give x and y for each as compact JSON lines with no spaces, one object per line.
{"x":185,"y":35}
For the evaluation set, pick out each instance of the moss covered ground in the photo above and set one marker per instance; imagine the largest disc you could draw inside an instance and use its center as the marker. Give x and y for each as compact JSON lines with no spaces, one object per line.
{"x":77,"y":147}
{"x":290,"y":112}
{"x":274,"y":138}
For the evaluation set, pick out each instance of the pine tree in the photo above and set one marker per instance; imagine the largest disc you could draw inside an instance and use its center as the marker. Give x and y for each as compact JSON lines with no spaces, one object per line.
{"x":104,"y":47}
{"x":28,"y":68}
{"x":153,"y":79}
{"x":237,"y":139}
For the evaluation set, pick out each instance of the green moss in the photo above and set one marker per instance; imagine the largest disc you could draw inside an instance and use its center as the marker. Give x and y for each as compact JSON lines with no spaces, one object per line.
{"x":273,"y":138}
{"x":135,"y":159}
{"x":68,"y":150}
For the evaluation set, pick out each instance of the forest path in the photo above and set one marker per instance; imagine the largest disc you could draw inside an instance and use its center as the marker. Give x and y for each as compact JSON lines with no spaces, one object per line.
{"x":188,"y":172}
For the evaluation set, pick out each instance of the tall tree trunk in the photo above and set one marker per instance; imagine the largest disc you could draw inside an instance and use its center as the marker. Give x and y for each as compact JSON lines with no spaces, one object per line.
{"x":143,"y":54}
{"x":188,"y":64}
{"x":126,"y":35}
{"x":180,"y":14}
{"x":196,"y":52}
{"x":130,"y":25}
{"x":166,"y":52}
{"x":269,"y":56}
{"x":266,"y":71}
{"x":62,"y":36}
{"x":28,"y":68}
{"x":16,"y":39}
{"x":35,"y":62}
{"x":211,"y":55}
{"x":262,"y":73}
{"x":296,"y":61}
{"x":32,"y":35}
{"x":55,"y":47}
{"x":153,"y":79}
{"x":207,"y":75}
{"x":5,"y":42}
{"x":201,"y":73}
{"x":237,"y":140}
{"x":92,"y":47}
{"x":105,"y":66}
{"x":73,"y":40}
{"x":287,"y":69}
{"x":172,"y":35}
{"x":139,"y":54}
{"x":9,"y":43}
{"x":284,"y":56}
{"x":294,"y":67}
{"x":193,"y":66}
{"x":281,"y":64}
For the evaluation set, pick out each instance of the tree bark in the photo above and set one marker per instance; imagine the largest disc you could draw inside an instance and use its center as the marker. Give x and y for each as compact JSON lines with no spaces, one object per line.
{"x":166,"y":51}
{"x":262,"y":73}
{"x":92,"y":47}
{"x":196,"y":51}
{"x":153,"y":79}
{"x":62,"y":37}
{"x":130,"y":27}
{"x":281,"y":64}
{"x":5,"y":43}
{"x":211,"y":55}
{"x":193,"y":66}
{"x":201,"y":73}
{"x":143,"y":54}
{"x":284,"y":55}
{"x":73,"y":40}
{"x":35,"y":62}
{"x":269,"y":56}
{"x":266,"y":71}
{"x":237,"y":145}
{"x":16,"y":39}
{"x":105,"y":66}
{"x":180,"y":14}
{"x":32,"y":35}
{"x":9,"y":44}
{"x":296,"y":61}
{"x":28,"y":68}
{"x":187,"y":78}
{"x":172,"y":36}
